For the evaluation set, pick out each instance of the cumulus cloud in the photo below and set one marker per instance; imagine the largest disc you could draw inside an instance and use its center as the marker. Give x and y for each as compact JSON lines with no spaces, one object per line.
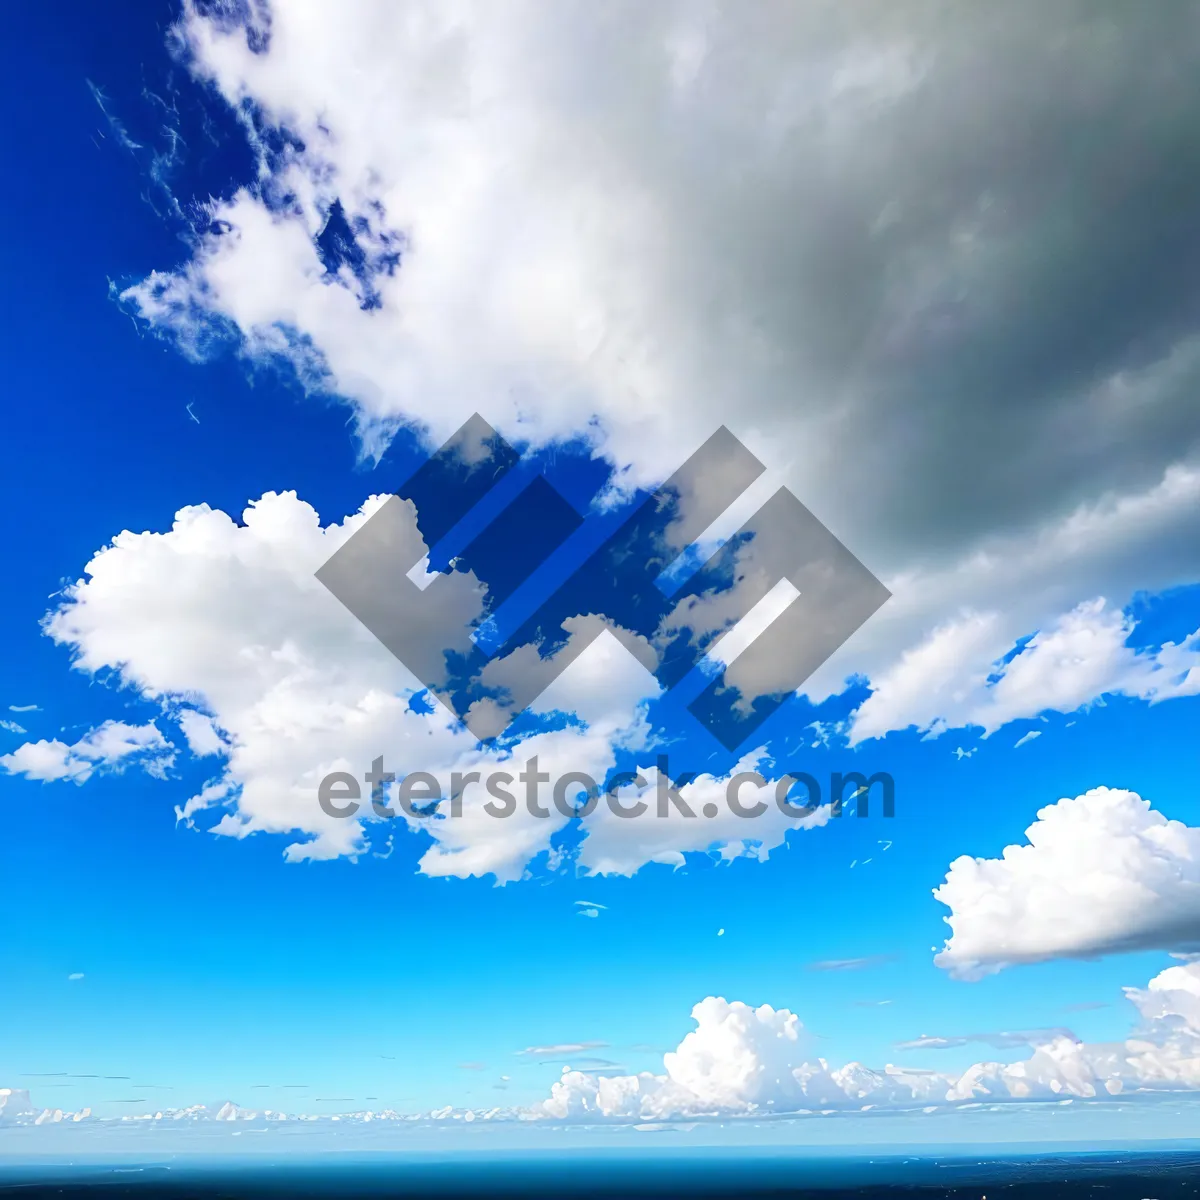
{"x":268,"y":676}
{"x":654,"y":217}
{"x":738,"y":1060}
{"x":741,"y":1060}
{"x":297,"y":683}
{"x":1098,"y":874}
{"x":617,"y":845}
{"x":111,"y":746}
{"x":963,"y":675}
{"x":1171,"y":998}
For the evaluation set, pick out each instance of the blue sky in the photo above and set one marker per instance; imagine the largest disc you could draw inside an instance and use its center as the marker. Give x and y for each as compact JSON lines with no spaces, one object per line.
{"x":214,"y":965}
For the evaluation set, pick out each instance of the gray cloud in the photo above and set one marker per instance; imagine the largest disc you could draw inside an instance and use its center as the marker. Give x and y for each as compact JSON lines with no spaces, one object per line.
{"x":956,"y":245}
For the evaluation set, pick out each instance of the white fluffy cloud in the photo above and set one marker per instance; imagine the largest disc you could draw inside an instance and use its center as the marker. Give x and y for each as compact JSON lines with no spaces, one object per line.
{"x":202,"y":735}
{"x":617,"y":845}
{"x":1098,"y":874}
{"x":270,"y":678}
{"x":953,"y":678}
{"x":743,"y":1060}
{"x":111,"y":746}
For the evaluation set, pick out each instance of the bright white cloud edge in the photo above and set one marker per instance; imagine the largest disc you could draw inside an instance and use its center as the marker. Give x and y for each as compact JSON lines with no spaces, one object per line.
{"x":1102,"y":873}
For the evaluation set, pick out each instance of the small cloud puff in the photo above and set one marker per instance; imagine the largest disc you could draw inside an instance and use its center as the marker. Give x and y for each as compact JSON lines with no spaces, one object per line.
{"x":109,"y":747}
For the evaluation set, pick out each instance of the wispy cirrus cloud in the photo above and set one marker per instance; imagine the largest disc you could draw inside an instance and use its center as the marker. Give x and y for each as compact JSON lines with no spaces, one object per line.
{"x":852,"y":964}
{"x":558,"y":1049}
{"x":1001,"y":1040}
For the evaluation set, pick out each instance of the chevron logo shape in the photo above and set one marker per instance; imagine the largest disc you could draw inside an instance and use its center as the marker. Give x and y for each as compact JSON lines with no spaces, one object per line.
{"x":487,"y":651}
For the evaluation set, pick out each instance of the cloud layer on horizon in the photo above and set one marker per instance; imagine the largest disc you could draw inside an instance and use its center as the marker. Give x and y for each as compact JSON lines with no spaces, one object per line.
{"x":742,"y":1061}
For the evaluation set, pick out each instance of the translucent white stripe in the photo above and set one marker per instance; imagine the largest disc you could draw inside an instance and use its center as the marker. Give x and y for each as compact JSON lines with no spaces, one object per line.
{"x":752,"y":625}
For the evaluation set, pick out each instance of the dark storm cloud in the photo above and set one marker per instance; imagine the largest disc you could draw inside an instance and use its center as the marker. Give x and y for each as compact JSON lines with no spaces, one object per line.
{"x":978,"y":286}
